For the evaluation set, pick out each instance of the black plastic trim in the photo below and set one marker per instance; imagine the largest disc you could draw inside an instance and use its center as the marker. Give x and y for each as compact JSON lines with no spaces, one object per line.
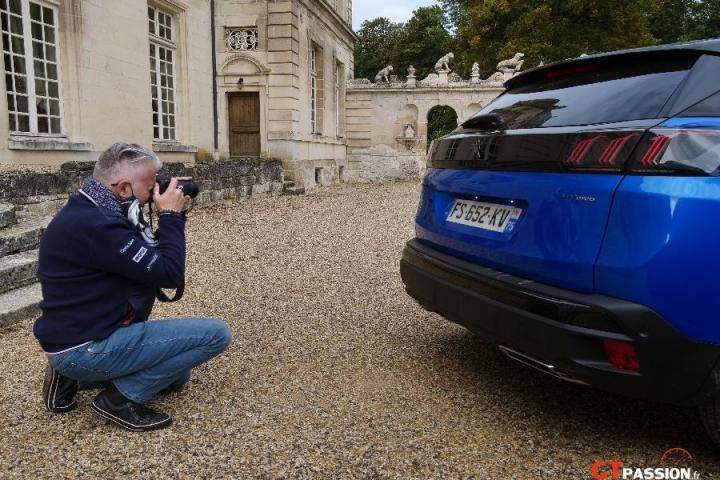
{"x":560,"y":327}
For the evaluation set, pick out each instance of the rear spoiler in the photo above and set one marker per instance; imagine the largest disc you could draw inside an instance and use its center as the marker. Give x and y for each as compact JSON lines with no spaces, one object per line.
{"x":600,"y":60}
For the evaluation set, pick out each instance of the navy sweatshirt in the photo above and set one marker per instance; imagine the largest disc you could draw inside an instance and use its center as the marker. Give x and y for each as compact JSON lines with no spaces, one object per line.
{"x":94,"y":268}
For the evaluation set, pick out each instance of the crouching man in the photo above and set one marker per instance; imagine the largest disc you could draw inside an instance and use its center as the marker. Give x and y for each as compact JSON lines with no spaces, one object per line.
{"x":99,"y":273}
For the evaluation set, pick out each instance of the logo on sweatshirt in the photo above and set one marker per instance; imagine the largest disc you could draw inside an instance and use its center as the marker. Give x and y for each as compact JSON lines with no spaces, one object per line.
{"x":140,"y":254}
{"x":127,"y":246}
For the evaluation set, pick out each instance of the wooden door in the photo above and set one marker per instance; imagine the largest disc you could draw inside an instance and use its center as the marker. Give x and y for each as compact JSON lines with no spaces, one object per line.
{"x":244,"y":114}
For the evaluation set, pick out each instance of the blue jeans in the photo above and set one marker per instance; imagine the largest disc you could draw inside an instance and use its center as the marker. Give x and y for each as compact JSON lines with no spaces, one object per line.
{"x":144,"y":358}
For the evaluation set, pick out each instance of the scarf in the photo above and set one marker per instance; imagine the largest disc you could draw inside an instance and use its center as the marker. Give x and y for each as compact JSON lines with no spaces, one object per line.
{"x":101,"y":195}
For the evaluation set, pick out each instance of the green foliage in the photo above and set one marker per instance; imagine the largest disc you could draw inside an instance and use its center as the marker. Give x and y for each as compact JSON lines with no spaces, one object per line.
{"x":377,"y":42}
{"x":704,"y":20}
{"x":488,"y":31}
{"x":547,"y":30}
{"x":423,"y":41}
{"x":419,"y":42}
{"x":441,"y":121}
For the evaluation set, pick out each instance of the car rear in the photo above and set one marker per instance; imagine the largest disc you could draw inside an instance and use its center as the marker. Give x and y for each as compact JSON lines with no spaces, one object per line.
{"x":573,"y":221}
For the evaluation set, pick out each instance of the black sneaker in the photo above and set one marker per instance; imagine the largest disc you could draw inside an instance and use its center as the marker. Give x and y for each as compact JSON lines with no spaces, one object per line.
{"x":113,"y":405}
{"x":58,"y":391}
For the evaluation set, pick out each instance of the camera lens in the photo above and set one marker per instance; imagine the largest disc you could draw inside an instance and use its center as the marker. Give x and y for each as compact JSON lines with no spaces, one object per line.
{"x":189,"y":187}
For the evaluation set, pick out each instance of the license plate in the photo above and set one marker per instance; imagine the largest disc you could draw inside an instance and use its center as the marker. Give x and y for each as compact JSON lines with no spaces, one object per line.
{"x":488,"y":216}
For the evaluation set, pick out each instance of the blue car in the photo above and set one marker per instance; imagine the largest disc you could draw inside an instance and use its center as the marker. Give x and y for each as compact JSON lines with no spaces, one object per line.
{"x":575,"y":223}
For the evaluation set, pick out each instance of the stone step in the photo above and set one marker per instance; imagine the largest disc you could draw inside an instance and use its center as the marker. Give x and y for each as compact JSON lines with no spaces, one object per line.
{"x":18,"y":270}
{"x":7,"y":215}
{"x":294,"y":191}
{"x":20,"y":304}
{"x":23,"y":236}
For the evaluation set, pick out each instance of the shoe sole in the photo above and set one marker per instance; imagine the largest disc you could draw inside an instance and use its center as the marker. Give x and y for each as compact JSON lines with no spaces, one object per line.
{"x":50,"y":395}
{"x":128,"y":425}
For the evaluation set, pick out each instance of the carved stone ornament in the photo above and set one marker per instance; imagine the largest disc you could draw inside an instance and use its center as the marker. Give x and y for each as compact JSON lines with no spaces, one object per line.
{"x":241,"y":39}
{"x":444,"y":63}
{"x":511,"y":65}
{"x":383,"y":75}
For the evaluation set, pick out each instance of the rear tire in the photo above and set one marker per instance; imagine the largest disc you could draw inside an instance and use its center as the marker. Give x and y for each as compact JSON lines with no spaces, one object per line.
{"x":709,"y":409}
{"x":710,"y":416}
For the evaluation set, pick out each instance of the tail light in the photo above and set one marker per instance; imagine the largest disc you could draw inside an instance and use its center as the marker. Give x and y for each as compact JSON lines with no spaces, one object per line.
{"x":622,"y":355}
{"x":694,"y":150}
{"x":604,"y":151}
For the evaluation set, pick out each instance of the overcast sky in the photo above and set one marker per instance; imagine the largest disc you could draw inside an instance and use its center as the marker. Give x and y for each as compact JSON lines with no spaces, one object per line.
{"x":395,"y":10}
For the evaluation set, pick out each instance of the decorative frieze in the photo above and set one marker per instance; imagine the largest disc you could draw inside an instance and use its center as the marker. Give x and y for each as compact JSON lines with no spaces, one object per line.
{"x":241,"y":39}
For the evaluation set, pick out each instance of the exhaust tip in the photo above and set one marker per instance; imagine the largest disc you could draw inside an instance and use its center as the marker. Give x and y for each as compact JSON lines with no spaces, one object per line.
{"x":539,"y":365}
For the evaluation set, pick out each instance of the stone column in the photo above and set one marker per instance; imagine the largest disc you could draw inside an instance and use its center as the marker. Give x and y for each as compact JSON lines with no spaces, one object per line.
{"x":443,"y":77}
{"x":411,"y":78}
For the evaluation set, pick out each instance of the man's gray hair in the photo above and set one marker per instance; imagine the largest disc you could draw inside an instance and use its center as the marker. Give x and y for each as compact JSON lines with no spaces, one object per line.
{"x":118,"y":156}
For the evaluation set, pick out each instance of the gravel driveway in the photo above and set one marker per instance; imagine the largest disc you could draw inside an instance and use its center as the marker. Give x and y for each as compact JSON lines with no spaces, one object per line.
{"x":334,"y":372}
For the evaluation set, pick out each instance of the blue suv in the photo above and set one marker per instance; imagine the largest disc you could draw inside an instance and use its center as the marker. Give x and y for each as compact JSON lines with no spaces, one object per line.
{"x":572,"y":223}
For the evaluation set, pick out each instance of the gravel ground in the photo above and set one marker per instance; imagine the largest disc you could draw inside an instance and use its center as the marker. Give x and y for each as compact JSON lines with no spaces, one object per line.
{"x":334,"y":372}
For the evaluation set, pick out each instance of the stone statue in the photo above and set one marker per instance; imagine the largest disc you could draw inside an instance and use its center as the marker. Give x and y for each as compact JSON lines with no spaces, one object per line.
{"x":409,"y":131}
{"x":382,"y":75}
{"x":475,"y":74}
{"x":411,"y":71}
{"x":511,"y":65}
{"x":496,"y":77}
{"x":444,"y":63}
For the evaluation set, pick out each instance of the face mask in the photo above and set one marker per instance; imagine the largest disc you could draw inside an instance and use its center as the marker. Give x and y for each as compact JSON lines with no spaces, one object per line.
{"x":133,"y":211}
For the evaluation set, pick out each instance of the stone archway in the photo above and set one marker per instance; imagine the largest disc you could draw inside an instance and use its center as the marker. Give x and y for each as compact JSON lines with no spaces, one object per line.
{"x":441,"y":120}
{"x":378,"y":115}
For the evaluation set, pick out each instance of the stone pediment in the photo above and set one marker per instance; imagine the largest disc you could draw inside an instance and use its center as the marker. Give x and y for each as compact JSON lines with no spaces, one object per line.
{"x":243,"y":64}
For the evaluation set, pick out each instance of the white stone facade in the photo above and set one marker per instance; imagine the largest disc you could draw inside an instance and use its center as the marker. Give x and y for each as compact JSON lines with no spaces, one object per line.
{"x":310,"y":141}
{"x":101,"y":52}
{"x":142,"y":71}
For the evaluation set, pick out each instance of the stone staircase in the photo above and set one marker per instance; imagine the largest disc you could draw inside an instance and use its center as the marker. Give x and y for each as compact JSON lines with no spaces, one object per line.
{"x":20,"y":233}
{"x":289,"y":188}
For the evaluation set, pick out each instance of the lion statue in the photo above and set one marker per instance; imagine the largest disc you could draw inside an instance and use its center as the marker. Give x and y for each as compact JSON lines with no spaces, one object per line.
{"x":444,"y":62}
{"x":382,"y":75}
{"x":511,"y":65}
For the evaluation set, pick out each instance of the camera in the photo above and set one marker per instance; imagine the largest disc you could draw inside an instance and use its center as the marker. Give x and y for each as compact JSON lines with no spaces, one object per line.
{"x":189,"y":187}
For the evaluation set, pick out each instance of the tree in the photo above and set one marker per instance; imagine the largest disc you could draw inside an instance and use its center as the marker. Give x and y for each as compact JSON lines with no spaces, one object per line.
{"x":420,"y":42}
{"x":423,"y":41}
{"x":376,"y":46}
{"x":704,"y":20}
{"x":670,"y":23}
{"x":545,"y":30}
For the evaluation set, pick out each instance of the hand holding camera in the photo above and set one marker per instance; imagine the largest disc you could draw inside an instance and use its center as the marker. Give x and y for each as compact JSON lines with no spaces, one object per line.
{"x":174,"y":193}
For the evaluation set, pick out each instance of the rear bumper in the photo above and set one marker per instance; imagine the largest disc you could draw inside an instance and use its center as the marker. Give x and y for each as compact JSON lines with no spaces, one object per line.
{"x":559,"y":331}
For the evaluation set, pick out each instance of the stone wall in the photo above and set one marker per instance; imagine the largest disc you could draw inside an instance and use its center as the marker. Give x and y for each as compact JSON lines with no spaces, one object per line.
{"x":379,"y":148}
{"x":45,"y":193}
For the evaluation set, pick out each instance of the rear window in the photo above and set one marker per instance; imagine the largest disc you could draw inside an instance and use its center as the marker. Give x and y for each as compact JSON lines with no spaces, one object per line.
{"x":710,"y":107}
{"x":590,"y":93}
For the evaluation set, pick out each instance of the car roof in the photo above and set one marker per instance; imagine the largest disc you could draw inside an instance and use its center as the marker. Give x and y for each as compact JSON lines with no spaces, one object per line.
{"x":709,"y":45}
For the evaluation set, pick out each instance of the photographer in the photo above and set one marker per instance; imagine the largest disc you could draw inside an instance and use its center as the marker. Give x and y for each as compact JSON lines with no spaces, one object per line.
{"x":100,"y":273}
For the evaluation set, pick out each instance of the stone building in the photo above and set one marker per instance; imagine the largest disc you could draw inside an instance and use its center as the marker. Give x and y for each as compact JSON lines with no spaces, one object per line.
{"x":282,"y":74}
{"x":195,"y":79}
